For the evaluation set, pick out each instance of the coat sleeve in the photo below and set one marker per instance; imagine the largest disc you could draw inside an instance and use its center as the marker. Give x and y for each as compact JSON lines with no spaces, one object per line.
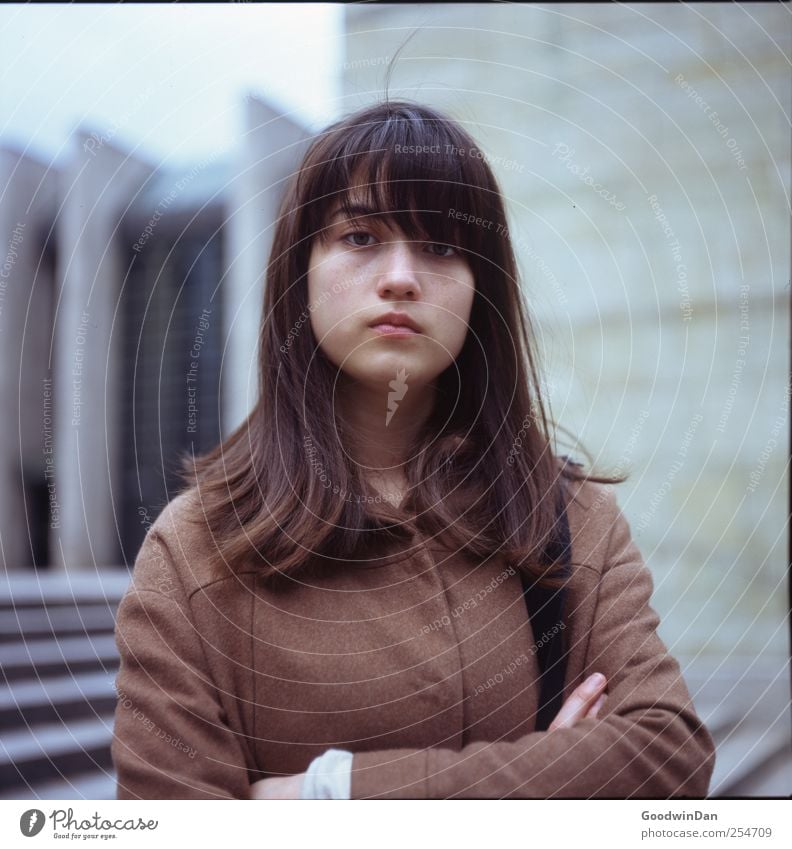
{"x":171,"y":739}
{"x":648,"y":742}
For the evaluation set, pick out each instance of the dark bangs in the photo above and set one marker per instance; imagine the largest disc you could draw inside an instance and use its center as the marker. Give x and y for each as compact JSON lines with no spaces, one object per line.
{"x":423,"y":172}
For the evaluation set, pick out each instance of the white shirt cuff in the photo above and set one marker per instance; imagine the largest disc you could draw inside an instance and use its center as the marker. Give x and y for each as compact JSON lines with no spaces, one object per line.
{"x":329,"y":776}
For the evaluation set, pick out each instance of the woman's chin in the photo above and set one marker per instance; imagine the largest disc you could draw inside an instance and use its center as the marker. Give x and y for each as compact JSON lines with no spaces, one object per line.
{"x":380,"y":374}
{"x":377,"y":366}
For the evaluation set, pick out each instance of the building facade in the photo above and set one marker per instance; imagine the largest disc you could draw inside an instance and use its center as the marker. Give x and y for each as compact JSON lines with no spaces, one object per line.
{"x":129,"y":306}
{"x":644,"y":156}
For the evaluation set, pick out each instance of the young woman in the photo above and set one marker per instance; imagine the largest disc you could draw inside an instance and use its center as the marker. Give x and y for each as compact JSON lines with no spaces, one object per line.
{"x":334,"y":606}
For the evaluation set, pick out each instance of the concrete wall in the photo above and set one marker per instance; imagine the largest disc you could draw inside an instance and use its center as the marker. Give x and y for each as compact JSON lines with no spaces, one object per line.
{"x":98,"y":183}
{"x":270,"y":150}
{"x":27,"y":200}
{"x":644,"y":152}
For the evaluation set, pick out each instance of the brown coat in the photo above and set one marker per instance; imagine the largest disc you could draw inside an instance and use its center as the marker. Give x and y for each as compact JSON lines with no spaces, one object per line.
{"x":424,"y":667}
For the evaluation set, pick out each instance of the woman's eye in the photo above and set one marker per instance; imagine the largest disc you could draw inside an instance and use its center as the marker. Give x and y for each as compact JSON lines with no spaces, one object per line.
{"x":364,"y":239}
{"x":439,"y":249}
{"x":358,"y":238}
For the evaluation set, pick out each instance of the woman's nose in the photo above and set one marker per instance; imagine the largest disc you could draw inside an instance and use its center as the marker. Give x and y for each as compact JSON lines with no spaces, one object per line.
{"x":398,"y":274}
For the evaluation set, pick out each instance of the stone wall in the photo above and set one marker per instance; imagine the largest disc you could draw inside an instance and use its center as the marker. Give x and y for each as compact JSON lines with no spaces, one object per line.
{"x":644,"y":152}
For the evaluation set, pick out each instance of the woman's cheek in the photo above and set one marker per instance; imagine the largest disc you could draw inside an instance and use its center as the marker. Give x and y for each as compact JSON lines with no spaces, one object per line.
{"x":334,"y":331}
{"x":454,"y":327}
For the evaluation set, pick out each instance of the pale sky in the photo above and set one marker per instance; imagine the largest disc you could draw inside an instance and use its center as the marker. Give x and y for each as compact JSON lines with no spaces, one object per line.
{"x":169,"y":77}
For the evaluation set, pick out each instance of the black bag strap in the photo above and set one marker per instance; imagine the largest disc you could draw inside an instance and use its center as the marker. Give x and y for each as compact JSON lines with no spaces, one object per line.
{"x":546,"y":612}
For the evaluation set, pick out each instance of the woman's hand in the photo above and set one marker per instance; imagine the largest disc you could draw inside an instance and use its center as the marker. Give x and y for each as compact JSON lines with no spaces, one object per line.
{"x":584,"y":703}
{"x":280,"y":787}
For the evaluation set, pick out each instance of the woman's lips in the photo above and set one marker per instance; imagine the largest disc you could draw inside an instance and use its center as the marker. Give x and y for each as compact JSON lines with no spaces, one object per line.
{"x":394,"y":330}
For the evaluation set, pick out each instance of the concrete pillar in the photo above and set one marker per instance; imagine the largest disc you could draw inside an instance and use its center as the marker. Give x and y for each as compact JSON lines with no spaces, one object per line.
{"x":27,"y":200}
{"x":99,"y":183}
{"x":271,"y":149}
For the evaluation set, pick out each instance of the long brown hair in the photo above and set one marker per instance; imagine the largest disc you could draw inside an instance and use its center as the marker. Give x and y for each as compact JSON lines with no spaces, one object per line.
{"x":482,"y":473}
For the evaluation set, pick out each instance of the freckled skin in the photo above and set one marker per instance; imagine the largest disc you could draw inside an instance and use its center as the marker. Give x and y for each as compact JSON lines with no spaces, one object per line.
{"x":367,"y":268}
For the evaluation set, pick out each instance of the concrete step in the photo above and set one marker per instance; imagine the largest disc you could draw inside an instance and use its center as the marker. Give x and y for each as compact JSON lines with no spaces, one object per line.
{"x":27,"y":659}
{"x":745,"y":700}
{"x":745,"y":754}
{"x":772,"y":778}
{"x":58,"y":662}
{"x":59,"y":621}
{"x":91,"y":785}
{"x":55,"y":751}
{"x":30,"y":702}
{"x":30,"y":590}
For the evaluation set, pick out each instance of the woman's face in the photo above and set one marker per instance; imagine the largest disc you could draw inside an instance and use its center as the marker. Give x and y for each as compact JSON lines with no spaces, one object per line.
{"x":368,"y":268}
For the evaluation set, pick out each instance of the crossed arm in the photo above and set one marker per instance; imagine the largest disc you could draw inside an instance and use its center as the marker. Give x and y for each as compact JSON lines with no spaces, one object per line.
{"x":584,"y":703}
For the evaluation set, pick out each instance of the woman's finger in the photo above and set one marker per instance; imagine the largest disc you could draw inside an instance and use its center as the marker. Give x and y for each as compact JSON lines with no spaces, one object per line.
{"x":575,"y":707}
{"x":593,"y":711}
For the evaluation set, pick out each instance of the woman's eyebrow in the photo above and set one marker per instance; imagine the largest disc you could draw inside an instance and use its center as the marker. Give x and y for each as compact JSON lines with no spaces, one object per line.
{"x":358,"y":211}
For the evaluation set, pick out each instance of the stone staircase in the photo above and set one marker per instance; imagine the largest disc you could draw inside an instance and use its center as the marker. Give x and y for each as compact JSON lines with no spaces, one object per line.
{"x":746,"y":704}
{"x":58,"y":662}
{"x":57,"y":700}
